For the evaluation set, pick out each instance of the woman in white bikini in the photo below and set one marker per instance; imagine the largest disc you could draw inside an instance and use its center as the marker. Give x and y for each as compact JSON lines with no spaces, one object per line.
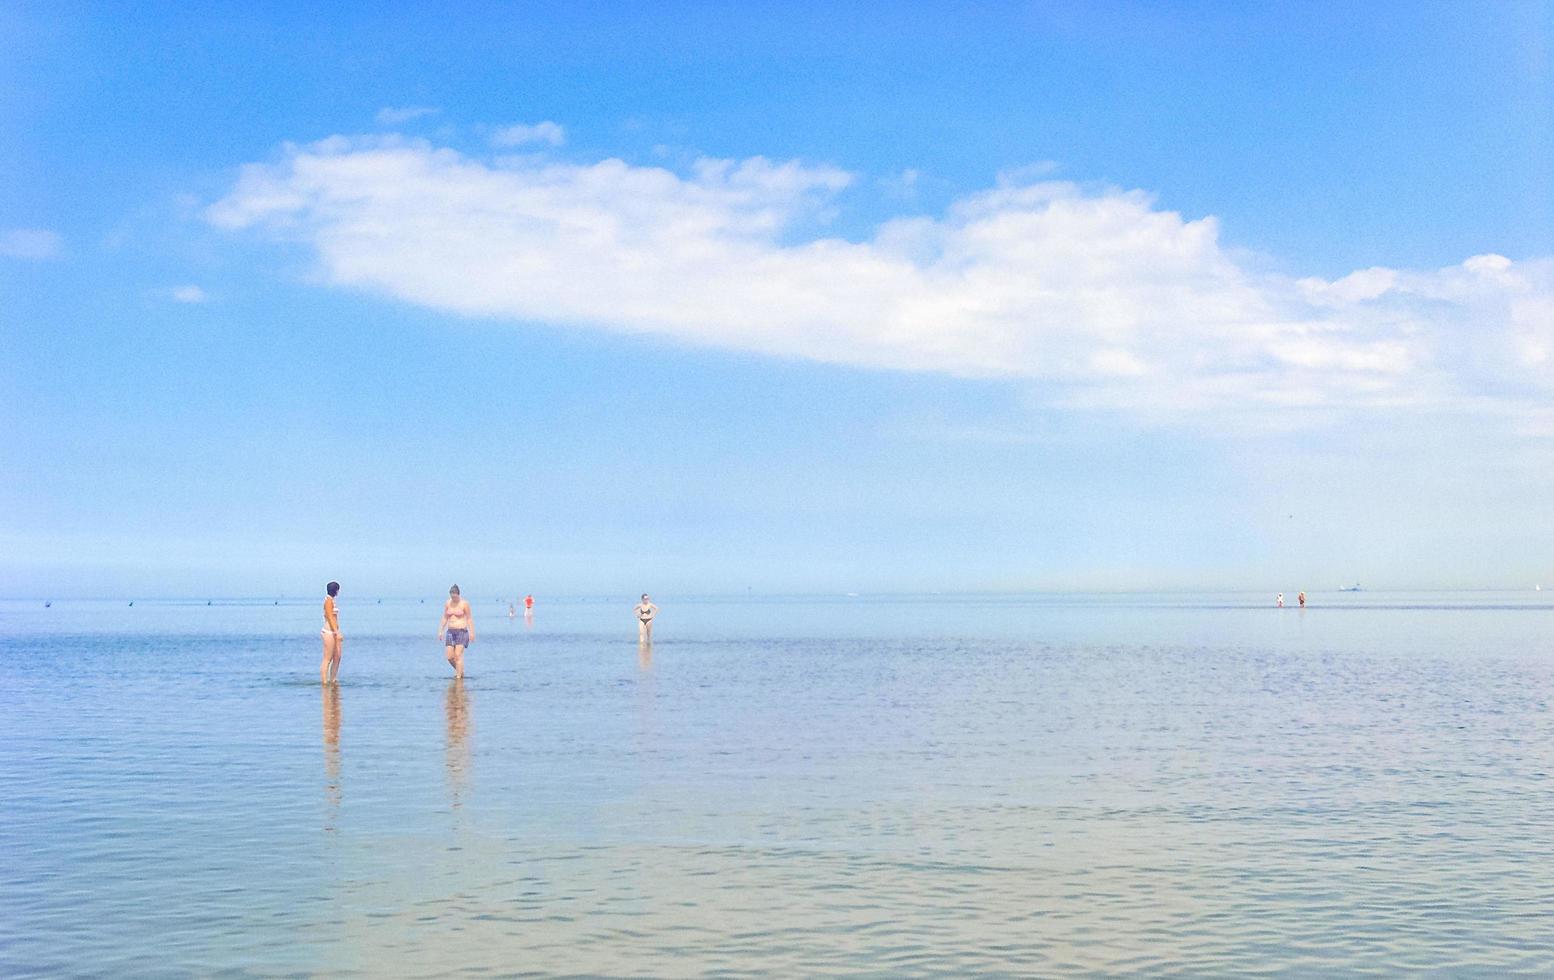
{"x":456,"y":629}
{"x":329,"y":670}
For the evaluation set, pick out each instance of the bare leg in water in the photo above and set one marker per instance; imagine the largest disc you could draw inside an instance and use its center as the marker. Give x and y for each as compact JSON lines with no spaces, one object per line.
{"x":330,"y":668}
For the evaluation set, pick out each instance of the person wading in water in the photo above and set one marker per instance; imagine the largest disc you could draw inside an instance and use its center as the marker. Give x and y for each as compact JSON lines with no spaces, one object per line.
{"x":456,"y":629}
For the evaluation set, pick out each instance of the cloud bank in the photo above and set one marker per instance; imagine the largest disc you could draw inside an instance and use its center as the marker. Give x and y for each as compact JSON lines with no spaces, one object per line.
{"x":1103,"y":299}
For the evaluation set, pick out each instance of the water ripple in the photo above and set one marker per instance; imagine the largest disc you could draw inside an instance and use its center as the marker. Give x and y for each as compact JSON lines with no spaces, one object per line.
{"x":191,"y":805}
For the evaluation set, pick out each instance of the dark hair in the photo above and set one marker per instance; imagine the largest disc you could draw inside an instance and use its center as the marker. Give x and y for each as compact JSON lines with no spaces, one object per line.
{"x":454,"y":588}
{"x":333,"y":588}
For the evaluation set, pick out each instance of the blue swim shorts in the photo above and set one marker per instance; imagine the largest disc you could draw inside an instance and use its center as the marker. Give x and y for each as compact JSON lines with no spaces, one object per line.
{"x":457,"y":638}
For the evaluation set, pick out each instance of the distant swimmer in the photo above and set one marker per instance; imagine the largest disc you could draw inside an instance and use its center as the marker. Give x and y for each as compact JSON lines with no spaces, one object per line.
{"x":1280,"y":600}
{"x":512,"y":611}
{"x":1302,"y":599}
{"x":329,"y":670}
{"x":645,"y":612}
{"x":528,"y":603}
{"x":456,"y":629}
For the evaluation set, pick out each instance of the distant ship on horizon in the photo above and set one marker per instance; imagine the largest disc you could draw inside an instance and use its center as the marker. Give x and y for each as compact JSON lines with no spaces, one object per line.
{"x":1353,"y":588}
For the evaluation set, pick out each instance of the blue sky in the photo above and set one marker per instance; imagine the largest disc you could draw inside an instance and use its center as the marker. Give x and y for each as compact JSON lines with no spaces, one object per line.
{"x":595,"y":298}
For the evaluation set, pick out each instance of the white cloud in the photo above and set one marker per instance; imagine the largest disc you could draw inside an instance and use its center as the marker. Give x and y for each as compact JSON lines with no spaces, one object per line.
{"x":395,"y":115}
{"x":188,"y":294}
{"x":1098,"y":295}
{"x":547,"y":133}
{"x":30,"y":243}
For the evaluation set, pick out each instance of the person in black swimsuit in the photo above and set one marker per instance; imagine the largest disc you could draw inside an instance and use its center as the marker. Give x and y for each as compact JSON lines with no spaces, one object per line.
{"x":645,"y":612}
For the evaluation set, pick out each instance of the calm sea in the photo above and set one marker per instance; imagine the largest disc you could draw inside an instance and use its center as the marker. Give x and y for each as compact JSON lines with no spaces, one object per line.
{"x":1046,"y":785}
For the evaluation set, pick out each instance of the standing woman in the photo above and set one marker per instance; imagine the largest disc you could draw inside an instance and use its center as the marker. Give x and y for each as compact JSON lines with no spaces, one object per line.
{"x":645,"y":612}
{"x":456,"y":630}
{"x":329,"y":670}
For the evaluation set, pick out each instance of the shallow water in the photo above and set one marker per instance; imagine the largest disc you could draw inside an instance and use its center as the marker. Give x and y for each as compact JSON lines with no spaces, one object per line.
{"x":1051,"y":785}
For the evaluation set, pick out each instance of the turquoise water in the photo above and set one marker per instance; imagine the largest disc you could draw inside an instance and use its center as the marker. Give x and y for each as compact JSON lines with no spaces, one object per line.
{"x":894,"y":786}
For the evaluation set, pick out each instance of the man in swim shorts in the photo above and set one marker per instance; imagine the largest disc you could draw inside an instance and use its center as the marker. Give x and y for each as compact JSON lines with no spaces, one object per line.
{"x":456,"y":629}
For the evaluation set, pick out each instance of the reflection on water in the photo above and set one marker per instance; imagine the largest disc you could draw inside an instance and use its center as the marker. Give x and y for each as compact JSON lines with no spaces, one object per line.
{"x":456,"y":755}
{"x":331,"y":754}
{"x":645,"y":655}
{"x":1178,"y":787}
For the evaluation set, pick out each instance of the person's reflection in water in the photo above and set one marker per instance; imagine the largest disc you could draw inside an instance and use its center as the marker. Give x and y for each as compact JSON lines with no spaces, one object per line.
{"x":456,"y":705}
{"x":645,"y":743}
{"x":331,"y":754}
